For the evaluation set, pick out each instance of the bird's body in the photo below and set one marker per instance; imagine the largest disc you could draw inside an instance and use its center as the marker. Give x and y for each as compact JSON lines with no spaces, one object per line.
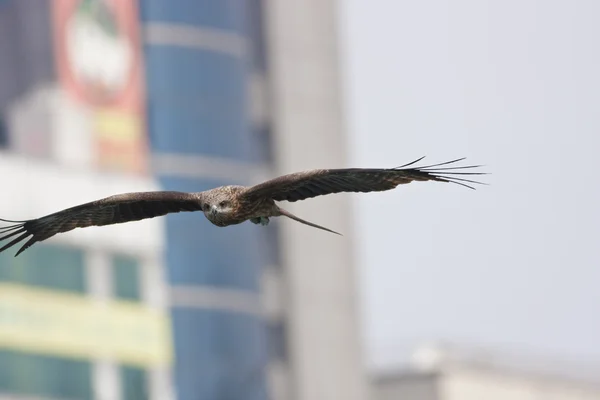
{"x":227,"y":205}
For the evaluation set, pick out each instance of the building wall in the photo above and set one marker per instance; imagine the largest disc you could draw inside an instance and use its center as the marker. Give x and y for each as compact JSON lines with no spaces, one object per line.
{"x":450,"y":372}
{"x":320,"y":298}
{"x":197,"y":69}
{"x":472,"y":383}
{"x":82,"y":315}
{"x":57,"y":297}
{"x":413,"y":386}
{"x":220,"y":104}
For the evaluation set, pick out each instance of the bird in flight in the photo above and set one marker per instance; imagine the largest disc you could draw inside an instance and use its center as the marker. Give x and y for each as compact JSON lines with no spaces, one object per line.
{"x":231,"y":205}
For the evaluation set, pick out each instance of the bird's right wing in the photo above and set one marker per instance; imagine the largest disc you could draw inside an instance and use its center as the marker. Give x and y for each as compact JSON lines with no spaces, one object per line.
{"x":110,"y":210}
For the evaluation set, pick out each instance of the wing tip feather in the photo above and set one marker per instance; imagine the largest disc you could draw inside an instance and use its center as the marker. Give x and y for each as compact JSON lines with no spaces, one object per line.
{"x":15,"y":241}
{"x":446,"y":174}
{"x":13,"y":230}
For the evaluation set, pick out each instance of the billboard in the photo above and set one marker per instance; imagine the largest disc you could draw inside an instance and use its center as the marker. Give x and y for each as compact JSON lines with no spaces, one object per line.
{"x":99,"y":65}
{"x":64,"y":324}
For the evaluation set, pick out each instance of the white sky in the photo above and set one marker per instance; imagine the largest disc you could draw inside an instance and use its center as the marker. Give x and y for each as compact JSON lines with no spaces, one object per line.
{"x":515,"y":85}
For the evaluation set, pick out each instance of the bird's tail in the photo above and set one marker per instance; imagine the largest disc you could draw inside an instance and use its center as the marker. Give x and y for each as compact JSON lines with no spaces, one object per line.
{"x":292,"y":216}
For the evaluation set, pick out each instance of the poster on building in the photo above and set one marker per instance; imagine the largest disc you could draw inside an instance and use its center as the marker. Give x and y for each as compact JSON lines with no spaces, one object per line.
{"x":69,"y":325}
{"x":99,"y":65}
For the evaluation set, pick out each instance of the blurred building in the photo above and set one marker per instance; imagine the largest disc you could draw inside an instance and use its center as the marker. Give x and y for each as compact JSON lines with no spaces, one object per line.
{"x":460,"y":373}
{"x":83,"y":316}
{"x":317,"y":295}
{"x":99,"y":97}
{"x":198,"y":63}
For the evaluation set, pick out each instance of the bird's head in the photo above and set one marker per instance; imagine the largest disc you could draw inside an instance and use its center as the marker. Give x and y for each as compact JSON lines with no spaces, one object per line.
{"x":217,"y":205}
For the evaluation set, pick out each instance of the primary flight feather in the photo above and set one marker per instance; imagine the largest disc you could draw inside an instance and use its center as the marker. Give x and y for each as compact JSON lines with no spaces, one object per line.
{"x":230,"y":205}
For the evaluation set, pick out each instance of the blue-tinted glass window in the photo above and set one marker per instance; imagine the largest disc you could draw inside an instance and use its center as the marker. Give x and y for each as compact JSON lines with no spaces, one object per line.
{"x":270,"y":245}
{"x":45,"y":376}
{"x":3,"y":132}
{"x":256,"y":34}
{"x":221,"y":14}
{"x":262,"y":145}
{"x":54,"y":267}
{"x":194,"y":72}
{"x":198,"y":132}
{"x":197,"y":102}
{"x":126,"y":277}
{"x":133,"y":383}
{"x":219,"y":355}
{"x":203,"y":254}
{"x":277,"y":340}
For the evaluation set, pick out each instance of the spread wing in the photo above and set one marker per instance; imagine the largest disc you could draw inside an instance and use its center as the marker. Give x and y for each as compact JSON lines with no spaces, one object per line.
{"x":304,"y":185}
{"x":110,"y":210}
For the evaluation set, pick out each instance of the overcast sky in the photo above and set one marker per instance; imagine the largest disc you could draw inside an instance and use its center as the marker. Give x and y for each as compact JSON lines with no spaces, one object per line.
{"x":515,"y":85}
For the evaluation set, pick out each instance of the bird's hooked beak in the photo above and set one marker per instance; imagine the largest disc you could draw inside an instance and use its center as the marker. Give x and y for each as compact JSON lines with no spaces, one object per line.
{"x":214,"y":210}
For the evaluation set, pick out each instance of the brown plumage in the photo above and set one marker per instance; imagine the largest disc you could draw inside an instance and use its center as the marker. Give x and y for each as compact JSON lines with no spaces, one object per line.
{"x":229,"y":205}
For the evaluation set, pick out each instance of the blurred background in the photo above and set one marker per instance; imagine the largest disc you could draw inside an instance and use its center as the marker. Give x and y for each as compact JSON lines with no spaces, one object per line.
{"x":434,"y":292}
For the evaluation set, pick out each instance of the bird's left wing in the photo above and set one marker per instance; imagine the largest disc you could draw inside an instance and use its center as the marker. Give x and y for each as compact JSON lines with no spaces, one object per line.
{"x":110,"y":210}
{"x":304,"y":185}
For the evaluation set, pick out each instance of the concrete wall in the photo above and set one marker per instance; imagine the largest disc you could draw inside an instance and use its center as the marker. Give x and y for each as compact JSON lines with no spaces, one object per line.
{"x":326,"y":359}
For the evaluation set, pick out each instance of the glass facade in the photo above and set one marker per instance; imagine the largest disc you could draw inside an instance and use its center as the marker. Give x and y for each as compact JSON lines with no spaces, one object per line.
{"x":277,"y":341}
{"x":227,"y":15}
{"x":203,"y":253}
{"x":133,"y":383}
{"x":198,"y":106}
{"x":62,"y":268}
{"x":41,"y":375}
{"x":127,"y":286}
{"x":57,"y":268}
{"x":196,"y":94}
{"x":227,"y":350}
{"x":3,"y":133}
{"x":26,"y":66}
{"x":46,"y":266}
{"x":126,"y":277}
{"x":51,"y":321}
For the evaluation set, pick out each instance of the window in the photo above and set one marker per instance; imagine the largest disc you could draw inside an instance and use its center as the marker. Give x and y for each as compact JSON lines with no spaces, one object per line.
{"x":277,"y":340}
{"x":201,"y":95}
{"x":54,"y":267}
{"x":255,"y":31}
{"x":46,"y":376}
{"x":133,"y":383}
{"x":227,"y":15}
{"x":218,"y":355}
{"x":262,"y":144}
{"x":126,"y":277}
{"x":200,"y":253}
{"x":271,"y":246}
{"x":3,"y":133}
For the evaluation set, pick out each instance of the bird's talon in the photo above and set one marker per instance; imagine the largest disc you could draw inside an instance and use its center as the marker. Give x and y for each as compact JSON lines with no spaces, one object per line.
{"x":264,"y":221}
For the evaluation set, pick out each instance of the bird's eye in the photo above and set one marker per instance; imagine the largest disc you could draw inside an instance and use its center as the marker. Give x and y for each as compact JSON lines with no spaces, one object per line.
{"x":206,"y":206}
{"x":223,"y":203}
